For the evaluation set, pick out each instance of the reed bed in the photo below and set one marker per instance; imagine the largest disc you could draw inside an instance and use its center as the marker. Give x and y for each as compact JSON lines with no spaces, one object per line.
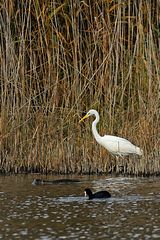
{"x":58,"y":59}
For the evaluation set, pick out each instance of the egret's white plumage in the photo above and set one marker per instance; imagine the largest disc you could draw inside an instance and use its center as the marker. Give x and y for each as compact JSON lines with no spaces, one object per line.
{"x":115,"y":145}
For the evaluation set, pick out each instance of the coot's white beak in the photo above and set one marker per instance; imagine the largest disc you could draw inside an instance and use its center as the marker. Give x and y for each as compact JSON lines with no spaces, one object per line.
{"x":85,"y":194}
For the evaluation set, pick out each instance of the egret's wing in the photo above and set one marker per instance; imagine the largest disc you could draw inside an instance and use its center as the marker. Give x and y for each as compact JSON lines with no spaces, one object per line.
{"x":117,"y":145}
{"x":116,"y":139}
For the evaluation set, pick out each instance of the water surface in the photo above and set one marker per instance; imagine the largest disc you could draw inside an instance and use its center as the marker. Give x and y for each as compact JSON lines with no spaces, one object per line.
{"x":61,"y":211}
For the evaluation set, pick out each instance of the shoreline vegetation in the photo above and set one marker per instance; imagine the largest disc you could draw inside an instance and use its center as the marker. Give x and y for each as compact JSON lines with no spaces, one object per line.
{"x":58,"y":59}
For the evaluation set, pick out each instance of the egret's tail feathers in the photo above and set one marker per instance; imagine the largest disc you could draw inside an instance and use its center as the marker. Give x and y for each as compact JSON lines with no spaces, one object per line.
{"x":139,"y":151}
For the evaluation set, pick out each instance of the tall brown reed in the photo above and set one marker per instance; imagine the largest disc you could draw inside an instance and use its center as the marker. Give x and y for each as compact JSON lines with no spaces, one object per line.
{"x":61,"y":58}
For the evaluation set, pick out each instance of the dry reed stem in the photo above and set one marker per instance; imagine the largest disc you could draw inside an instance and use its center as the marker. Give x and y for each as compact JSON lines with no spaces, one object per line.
{"x":58,"y":60}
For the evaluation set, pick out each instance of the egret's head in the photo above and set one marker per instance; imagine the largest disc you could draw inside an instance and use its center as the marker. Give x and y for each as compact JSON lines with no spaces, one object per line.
{"x":89,"y":113}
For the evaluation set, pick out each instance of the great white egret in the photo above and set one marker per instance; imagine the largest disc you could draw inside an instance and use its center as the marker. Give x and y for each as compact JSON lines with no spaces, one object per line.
{"x":115,"y":145}
{"x":100,"y":194}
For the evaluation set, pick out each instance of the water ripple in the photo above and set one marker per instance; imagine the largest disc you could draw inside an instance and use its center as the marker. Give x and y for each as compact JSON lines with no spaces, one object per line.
{"x":62,"y":212}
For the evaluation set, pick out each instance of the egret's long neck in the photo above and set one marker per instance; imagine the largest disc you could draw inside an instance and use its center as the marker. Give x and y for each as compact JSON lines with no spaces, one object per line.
{"x":94,"y":128}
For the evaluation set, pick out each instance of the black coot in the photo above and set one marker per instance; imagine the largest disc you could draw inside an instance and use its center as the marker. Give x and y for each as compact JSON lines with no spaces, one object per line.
{"x":101,"y":194}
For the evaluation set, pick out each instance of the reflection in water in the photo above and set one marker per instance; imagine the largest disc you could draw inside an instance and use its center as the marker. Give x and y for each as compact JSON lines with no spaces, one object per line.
{"x":62,"y":212}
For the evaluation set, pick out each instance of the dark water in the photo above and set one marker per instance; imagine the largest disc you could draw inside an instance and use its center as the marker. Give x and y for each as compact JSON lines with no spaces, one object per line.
{"x":62,"y":212}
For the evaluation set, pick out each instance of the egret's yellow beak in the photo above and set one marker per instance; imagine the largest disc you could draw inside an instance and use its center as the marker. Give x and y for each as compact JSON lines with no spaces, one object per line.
{"x":83,"y":118}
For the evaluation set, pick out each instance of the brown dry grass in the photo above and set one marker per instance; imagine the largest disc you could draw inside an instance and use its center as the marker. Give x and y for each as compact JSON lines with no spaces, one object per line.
{"x":58,"y":60}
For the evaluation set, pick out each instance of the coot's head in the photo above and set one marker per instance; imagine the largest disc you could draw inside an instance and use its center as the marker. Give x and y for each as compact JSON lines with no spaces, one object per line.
{"x":37,"y":181}
{"x":88,"y":192}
